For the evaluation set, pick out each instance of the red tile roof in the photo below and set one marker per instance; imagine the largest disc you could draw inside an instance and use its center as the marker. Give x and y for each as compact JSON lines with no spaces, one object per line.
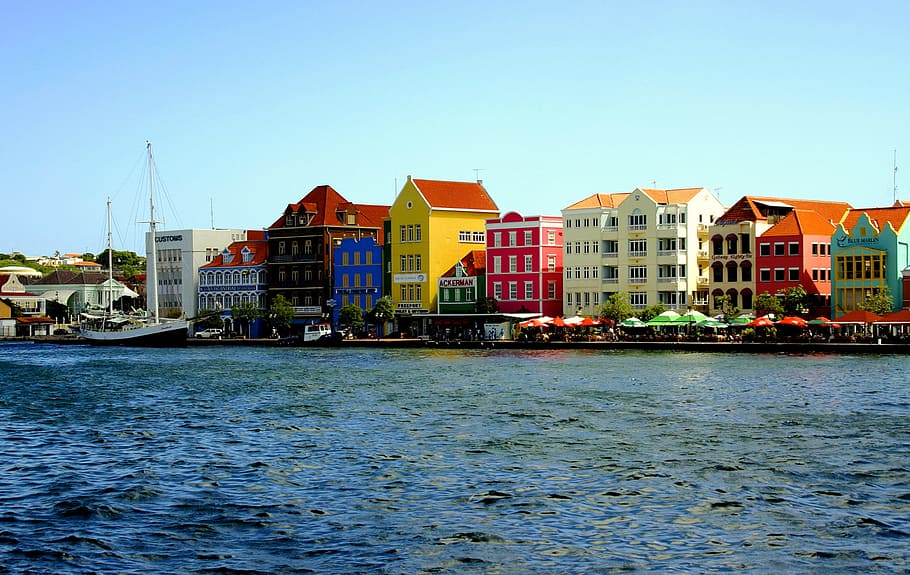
{"x":474,"y":262}
{"x":456,"y":195}
{"x":801,"y":223}
{"x":747,"y":209}
{"x":258,"y":248}
{"x":600,"y":201}
{"x":897,"y":216}
{"x":677,"y":196}
{"x":326,"y":204}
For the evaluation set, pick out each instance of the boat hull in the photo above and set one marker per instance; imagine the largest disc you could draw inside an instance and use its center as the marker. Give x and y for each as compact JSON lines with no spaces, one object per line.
{"x":160,"y":335}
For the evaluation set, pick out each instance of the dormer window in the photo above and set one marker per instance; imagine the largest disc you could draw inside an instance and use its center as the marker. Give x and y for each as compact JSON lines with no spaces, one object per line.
{"x":289,"y":219}
{"x":246,"y":255}
{"x":226,"y":256}
{"x":351,"y":219}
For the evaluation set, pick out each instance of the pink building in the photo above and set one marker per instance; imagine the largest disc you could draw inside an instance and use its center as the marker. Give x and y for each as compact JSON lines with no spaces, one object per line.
{"x":524,"y":263}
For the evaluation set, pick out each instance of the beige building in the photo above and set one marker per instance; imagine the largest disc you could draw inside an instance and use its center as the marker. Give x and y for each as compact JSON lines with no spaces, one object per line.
{"x":650,"y":244}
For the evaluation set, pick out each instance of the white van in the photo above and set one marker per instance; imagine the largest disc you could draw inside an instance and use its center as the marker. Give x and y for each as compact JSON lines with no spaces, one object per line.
{"x":316,"y":331}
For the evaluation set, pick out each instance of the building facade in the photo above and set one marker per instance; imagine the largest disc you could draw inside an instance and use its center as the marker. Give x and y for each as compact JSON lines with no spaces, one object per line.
{"x":301,"y":242}
{"x":433,"y":223}
{"x":238,"y":276}
{"x":732,"y":245}
{"x":869,"y":252}
{"x":358,"y":274}
{"x":796,"y":252}
{"x":180,"y":255}
{"x":463,"y":285}
{"x":645,"y":243}
{"x":524,"y":263}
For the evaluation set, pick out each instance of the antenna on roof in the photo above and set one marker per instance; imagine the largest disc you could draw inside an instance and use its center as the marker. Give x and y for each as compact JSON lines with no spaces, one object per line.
{"x":212,"y":210}
{"x":477,"y":175}
{"x":894,"y":177}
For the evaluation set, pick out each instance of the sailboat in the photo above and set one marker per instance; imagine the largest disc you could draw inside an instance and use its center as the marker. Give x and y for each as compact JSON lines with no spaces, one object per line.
{"x":143,"y":328}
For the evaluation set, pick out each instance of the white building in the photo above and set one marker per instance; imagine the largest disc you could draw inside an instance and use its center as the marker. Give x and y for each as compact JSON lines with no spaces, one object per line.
{"x":180,"y":255}
{"x":650,"y":244}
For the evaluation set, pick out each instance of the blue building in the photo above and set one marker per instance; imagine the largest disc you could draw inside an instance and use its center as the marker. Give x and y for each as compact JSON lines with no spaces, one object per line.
{"x":358,"y":274}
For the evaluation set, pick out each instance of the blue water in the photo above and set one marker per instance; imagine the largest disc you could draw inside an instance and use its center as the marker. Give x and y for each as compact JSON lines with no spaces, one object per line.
{"x":244,"y":460}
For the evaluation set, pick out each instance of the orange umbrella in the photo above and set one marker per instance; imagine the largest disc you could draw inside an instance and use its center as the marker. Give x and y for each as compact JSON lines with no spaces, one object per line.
{"x":793,"y":321}
{"x":763,"y":321}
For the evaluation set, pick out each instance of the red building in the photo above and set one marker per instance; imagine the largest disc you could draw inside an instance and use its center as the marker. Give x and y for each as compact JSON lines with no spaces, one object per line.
{"x":797,"y":252}
{"x":524,"y":263}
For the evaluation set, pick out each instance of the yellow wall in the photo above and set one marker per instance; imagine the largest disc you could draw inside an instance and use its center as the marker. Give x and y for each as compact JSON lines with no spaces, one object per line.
{"x":439,"y":247}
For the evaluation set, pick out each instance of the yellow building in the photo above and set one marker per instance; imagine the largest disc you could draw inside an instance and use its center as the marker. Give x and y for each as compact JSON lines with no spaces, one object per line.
{"x":433,"y":224}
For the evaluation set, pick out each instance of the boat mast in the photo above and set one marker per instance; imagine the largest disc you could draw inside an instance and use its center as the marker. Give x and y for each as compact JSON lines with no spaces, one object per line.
{"x":110,"y":261}
{"x":151,"y":288}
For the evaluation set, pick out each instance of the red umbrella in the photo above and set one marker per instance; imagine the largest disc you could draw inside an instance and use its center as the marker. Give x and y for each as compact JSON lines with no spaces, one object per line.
{"x":763,"y":321}
{"x":793,"y":320}
{"x":589,"y":322}
{"x":558,"y":322}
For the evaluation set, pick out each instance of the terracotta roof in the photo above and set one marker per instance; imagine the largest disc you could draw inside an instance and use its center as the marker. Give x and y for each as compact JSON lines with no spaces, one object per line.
{"x":259,"y":249}
{"x":325,"y":204}
{"x":475,"y":264}
{"x":456,"y":195}
{"x":600,"y":201}
{"x":900,"y":316}
{"x":801,"y":223}
{"x":897,"y":216}
{"x":677,"y":196}
{"x":748,"y":209}
{"x":66,"y":277}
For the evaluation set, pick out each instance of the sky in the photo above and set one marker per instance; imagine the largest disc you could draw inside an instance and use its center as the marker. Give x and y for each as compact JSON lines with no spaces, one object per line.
{"x":250,"y":105}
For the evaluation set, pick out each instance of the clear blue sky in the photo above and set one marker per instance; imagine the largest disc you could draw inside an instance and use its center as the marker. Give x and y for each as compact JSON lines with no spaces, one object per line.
{"x":251,"y":105}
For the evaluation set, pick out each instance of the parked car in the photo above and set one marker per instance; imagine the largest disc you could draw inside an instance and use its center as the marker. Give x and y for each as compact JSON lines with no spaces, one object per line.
{"x":210,"y":332}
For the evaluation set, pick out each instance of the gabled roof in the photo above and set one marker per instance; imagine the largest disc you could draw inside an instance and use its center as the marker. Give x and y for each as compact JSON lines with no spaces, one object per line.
{"x":327,"y":206}
{"x":66,"y":277}
{"x":897,"y":216}
{"x":474,"y":262}
{"x":600,"y":201}
{"x":469,"y":196}
{"x":749,"y":209}
{"x":677,"y":196}
{"x":801,"y":223}
{"x":258,"y":248}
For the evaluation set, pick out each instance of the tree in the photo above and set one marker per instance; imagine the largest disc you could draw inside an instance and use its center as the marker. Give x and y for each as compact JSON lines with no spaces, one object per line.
{"x":617,"y":308}
{"x":652,"y":311}
{"x":796,"y":300}
{"x":88,"y":257}
{"x":767,"y":303}
{"x":382,"y":313}
{"x":351,"y":316}
{"x":127,"y":262}
{"x":487,"y":305}
{"x":725,"y":304}
{"x":879,"y":303}
{"x":245,"y":314}
{"x":207,"y":318}
{"x":280,"y":314}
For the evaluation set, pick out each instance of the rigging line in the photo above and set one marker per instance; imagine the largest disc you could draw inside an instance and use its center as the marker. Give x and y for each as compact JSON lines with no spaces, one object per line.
{"x":162,"y":187}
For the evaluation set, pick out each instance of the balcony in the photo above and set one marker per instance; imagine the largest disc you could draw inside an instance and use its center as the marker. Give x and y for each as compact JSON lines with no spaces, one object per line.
{"x":666,"y":253}
{"x":292,"y":258}
{"x":702,"y":230}
{"x":611,"y":254}
{"x":703,"y":256}
{"x":610,"y":280}
{"x":702,"y":282}
{"x":638,"y":280}
{"x":667,"y":280}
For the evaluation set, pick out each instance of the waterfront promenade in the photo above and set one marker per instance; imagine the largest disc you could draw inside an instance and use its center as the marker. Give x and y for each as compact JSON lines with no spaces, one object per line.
{"x":790,"y":347}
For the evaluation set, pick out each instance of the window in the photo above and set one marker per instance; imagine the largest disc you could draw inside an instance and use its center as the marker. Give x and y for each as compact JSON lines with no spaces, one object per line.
{"x":744,"y":244}
{"x":815,"y":270}
{"x":764,"y":249}
{"x":513,"y":238}
{"x":778,"y":248}
{"x":513,"y":264}
{"x":528,"y":237}
{"x":638,"y":221}
{"x":731,"y":244}
{"x":731,"y":272}
{"x":411,"y":263}
{"x":577,"y":247}
{"x":551,"y":289}
{"x":814,"y":250}
{"x":745,"y":273}
{"x":308,"y":247}
{"x":794,"y":248}
{"x":529,"y":263}
{"x":497,"y":239}
{"x":779,"y":274}
{"x":568,"y":247}
{"x":403,"y":263}
{"x":569,"y":298}
{"x":638,"y":299}
{"x":764,"y":275}
{"x":551,"y":263}
{"x":638,"y":274}
{"x":551,"y":237}
{"x":717,"y":245}
{"x":513,"y":290}
{"x":497,"y":290}
{"x":497,"y":264}
{"x":418,"y":263}
{"x":417,"y":234}
{"x":794,"y":274}
{"x":638,"y":248}
{"x":529,"y":290}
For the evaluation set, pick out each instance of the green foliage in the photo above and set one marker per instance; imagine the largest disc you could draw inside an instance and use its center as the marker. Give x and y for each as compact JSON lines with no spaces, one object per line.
{"x":244,"y":314}
{"x":209,"y":318}
{"x":15,"y":259}
{"x":724,"y":304}
{"x":878,"y":303}
{"x":280,"y":314}
{"x":351,"y":316}
{"x":617,"y":308}
{"x":767,"y":303}
{"x":795,"y":300}
{"x":126,"y":262}
{"x":88,"y":257}
{"x":652,"y":311}
{"x":381,"y":313}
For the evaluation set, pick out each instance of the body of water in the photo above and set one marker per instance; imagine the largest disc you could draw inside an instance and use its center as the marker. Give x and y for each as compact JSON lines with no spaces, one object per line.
{"x":243,"y":460}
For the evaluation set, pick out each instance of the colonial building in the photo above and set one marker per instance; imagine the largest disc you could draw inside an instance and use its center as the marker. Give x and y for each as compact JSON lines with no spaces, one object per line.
{"x":358,"y":274}
{"x":796,"y":251}
{"x":462,"y":286}
{"x":238,"y":276}
{"x":869,"y":254}
{"x":301,"y":265}
{"x":180,"y":255}
{"x":645,"y":243}
{"x":80,"y":290}
{"x":433,"y":223}
{"x":733,"y":243}
{"x":524,"y":263}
